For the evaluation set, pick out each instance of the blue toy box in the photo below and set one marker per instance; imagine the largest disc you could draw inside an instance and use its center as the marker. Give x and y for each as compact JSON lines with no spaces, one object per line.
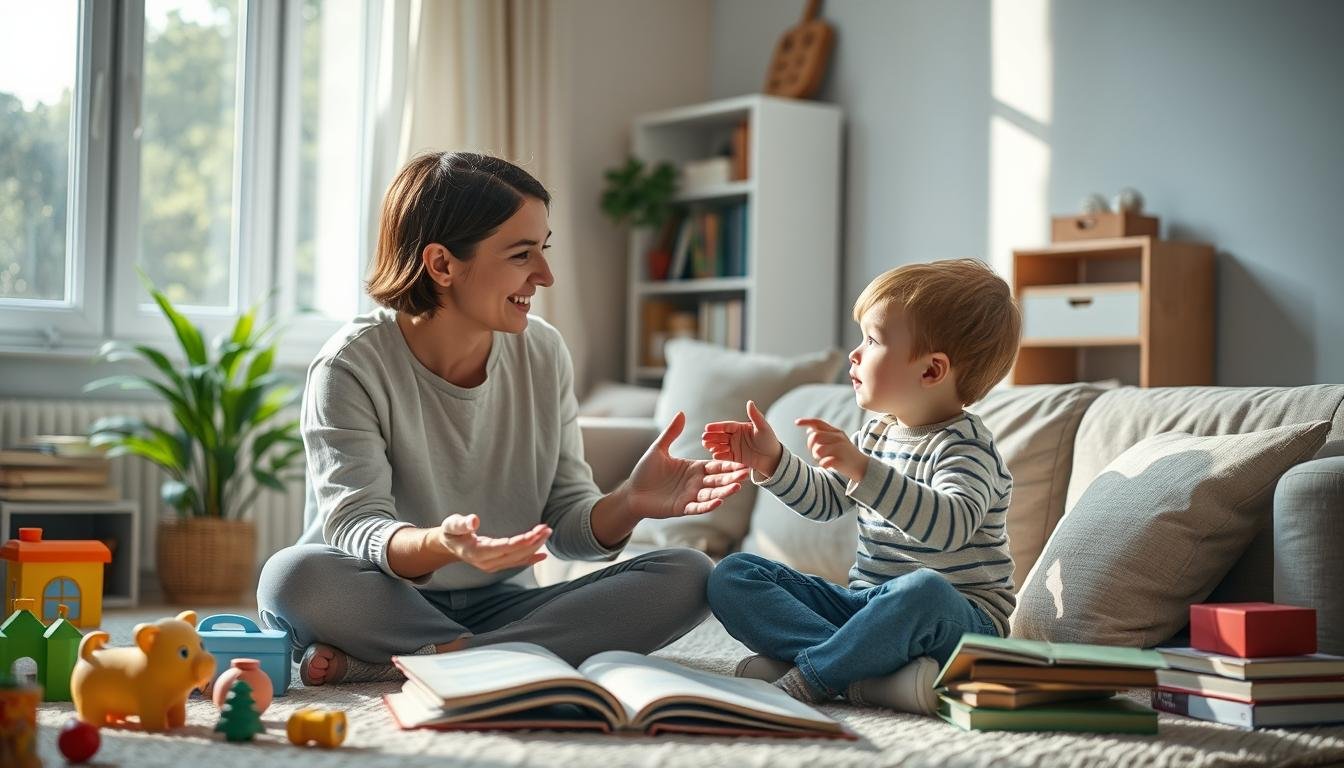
{"x":229,"y":636}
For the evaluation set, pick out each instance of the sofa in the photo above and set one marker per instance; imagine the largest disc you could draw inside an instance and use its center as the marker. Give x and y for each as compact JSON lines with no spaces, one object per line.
{"x":1056,"y":439}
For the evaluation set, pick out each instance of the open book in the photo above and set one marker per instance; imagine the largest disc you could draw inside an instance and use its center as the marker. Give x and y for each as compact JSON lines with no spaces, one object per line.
{"x":522,"y":685}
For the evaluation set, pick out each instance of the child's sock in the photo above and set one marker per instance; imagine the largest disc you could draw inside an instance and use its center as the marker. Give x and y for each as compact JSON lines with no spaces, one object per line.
{"x":324,"y":664}
{"x":794,"y":684}
{"x":908,"y":689}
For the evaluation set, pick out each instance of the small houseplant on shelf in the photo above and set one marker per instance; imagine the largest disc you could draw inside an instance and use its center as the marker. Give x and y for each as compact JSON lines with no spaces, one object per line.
{"x":231,"y":440}
{"x":641,"y":197}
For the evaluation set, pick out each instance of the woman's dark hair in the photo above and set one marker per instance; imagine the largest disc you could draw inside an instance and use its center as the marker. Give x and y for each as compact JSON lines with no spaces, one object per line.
{"x":455,"y":199}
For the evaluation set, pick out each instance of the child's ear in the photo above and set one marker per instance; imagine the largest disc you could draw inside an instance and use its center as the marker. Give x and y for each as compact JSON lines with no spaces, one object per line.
{"x":936,"y":369}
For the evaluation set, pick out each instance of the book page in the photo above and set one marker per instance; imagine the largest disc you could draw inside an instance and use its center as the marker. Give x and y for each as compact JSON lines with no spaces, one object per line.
{"x":460,"y":678}
{"x":644,"y":683}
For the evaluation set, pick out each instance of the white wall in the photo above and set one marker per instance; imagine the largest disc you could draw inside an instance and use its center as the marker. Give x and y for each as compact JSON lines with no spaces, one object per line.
{"x":969,"y":122}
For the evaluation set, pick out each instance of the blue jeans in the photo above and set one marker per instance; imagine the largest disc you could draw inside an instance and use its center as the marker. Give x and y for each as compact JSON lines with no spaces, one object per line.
{"x":837,"y":635}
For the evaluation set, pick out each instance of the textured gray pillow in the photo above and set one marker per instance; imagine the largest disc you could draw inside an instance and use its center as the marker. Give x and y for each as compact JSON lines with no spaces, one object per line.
{"x":1154,"y":533}
{"x":713,"y":383}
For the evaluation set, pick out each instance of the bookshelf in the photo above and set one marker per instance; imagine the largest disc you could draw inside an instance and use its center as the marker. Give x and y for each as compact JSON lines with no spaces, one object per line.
{"x":773,"y":286}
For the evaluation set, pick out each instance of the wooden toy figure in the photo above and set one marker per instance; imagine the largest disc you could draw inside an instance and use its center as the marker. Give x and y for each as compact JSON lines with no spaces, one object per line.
{"x":53,"y":573}
{"x":52,"y":648}
{"x":239,"y":721}
{"x":18,"y":723}
{"x":323,"y":727}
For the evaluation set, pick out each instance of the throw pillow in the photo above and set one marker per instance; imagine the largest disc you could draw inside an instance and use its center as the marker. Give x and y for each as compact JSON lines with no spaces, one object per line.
{"x":1154,"y":533}
{"x":713,"y":383}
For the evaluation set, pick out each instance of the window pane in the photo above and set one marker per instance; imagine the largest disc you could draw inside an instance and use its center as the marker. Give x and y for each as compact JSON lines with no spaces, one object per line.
{"x":327,"y":207}
{"x":187,"y":148}
{"x":37,"y":80}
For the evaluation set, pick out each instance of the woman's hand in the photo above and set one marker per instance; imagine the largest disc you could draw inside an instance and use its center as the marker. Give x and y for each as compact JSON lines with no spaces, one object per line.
{"x":751,"y":443}
{"x":663,"y":486}
{"x":457,"y":535}
{"x":832,"y":449}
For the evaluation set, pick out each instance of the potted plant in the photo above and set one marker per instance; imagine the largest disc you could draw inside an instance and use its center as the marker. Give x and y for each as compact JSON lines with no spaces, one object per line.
{"x":642,"y":197}
{"x":231,"y":440}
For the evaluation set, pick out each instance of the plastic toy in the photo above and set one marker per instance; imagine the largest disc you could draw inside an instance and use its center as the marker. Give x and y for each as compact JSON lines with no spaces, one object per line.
{"x":239,"y":720}
{"x":323,"y":727}
{"x":244,"y":669}
{"x":53,"y":573}
{"x":78,"y":740}
{"x":53,"y":648}
{"x":18,"y":723}
{"x":229,"y":636}
{"x":150,"y":679}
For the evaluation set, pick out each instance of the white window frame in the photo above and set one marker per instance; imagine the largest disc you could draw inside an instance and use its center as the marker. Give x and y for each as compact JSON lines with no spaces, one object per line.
{"x":79,"y":317}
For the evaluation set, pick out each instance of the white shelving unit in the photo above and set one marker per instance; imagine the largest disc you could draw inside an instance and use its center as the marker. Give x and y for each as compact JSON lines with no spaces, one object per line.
{"x":790,"y":291}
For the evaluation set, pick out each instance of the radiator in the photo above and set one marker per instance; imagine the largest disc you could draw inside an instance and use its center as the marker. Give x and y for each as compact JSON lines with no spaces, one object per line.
{"x":278,"y":516}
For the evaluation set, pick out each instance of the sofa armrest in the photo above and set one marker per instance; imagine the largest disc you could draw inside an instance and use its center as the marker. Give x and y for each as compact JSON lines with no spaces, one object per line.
{"x":612,"y":446}
{"x":1308,"y":539}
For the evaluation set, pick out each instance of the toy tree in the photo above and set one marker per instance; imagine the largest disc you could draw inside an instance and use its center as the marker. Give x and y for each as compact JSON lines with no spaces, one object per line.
{"x":239,"y":720}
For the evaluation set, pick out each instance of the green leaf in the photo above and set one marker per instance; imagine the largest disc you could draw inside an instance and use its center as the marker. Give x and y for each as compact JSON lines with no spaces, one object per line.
{"x":269,"y":480}
{"x":178,"y":495}
{"x":188,"y":335}
{"x":283,"y":433}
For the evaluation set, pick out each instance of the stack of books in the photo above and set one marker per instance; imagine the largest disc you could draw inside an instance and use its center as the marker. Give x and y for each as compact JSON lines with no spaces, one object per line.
{"x":1252,"y":665}
{"x":55,"y":468}
{"x":1009,"y":684}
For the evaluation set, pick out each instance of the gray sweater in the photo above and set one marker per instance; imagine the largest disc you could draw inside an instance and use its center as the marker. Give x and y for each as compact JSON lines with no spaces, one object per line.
{"x":390,"y":444}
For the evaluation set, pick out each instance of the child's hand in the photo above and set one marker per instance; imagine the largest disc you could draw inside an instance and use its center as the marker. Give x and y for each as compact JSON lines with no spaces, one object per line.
{"x":832,"y":449}
{"x":752,"y":443}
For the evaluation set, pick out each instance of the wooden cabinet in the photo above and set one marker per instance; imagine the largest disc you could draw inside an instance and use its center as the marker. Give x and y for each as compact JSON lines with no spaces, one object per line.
{"x":1137,"y":309}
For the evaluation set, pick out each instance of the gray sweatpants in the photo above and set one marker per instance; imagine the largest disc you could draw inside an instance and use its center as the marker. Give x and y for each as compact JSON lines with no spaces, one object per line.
{"x":320,"y":594}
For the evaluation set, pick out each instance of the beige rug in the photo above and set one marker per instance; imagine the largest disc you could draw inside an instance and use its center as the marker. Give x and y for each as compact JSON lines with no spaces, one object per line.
{"x":885,"y":738}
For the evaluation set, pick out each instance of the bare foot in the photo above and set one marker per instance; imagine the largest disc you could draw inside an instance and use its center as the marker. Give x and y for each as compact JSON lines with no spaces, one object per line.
{"x":321,"y":664}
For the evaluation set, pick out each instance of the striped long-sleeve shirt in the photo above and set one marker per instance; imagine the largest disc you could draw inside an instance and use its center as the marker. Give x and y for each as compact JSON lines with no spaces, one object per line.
{"x":932,"y":497}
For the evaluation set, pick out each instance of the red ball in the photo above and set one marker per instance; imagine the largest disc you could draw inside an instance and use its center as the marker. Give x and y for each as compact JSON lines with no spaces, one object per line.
{"x":78,"y":740}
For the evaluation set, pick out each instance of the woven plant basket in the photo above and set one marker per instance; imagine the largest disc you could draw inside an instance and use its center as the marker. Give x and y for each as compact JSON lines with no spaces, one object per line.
{"x":206,"y":561}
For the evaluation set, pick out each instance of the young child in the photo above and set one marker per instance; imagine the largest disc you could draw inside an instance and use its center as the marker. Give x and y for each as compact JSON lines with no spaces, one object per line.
{"x":930,"y":488}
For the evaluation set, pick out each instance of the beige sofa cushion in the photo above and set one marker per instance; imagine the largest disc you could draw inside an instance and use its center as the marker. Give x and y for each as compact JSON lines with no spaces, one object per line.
{"x":712,"y":383}
{"x":1154,"y":533}
{"x":1033,"y":427}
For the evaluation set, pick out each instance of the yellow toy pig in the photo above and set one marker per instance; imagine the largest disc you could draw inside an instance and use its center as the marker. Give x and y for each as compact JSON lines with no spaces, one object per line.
{"x":150,"y":680}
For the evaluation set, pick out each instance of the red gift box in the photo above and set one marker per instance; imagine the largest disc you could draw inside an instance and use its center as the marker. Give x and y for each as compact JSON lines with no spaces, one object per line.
{"x":1252,"y":630}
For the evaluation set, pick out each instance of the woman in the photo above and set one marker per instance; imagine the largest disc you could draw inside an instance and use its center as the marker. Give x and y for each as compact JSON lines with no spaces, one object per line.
{"x":443,"y":452}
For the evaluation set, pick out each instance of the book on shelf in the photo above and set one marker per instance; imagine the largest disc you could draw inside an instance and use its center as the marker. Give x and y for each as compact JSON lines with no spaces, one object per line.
{"x":61,"y":493}
{"x":1020,"y":695}
{"x":524,"y":686}
{"x":1255,"y":691}
{"x":32,"y":457}
{"x":1113,"y":715}
{"x":1239,"y":668}
{"x":1016,"y":660}
{"x":25,"y":477}
{"x":1248,"y":714}
{"x":710,"y":241}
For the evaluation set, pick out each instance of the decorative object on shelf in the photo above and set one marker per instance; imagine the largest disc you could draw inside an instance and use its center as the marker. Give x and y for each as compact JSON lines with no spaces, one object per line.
{"x":78,"y":741}
{"x":706,"y":172}
{"x":53,"y":648}
{"x":1095,"y":203}
{"x":798,"y":65}
{"x":1128,"y":200}
{"x":323,"y":727}
{"x":231,"y":443}
{"x":150,"y":679}
{"x":54,"y":573}
{"x":18,"y":722}
{"x":239,"y":720}
{"x":248,"y":670}
{"x":230,"y":637}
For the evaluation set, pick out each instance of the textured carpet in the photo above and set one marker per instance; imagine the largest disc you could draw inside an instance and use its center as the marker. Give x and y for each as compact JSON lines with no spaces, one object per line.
{"x":885,"y":738}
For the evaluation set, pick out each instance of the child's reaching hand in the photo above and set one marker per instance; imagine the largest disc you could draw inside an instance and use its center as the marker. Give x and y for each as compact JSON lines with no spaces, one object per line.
{"x":832,"y":449}
{"x":752,"y":443}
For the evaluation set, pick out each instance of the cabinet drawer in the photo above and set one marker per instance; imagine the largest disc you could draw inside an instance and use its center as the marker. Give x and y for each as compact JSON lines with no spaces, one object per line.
{"x":1097,"y":313}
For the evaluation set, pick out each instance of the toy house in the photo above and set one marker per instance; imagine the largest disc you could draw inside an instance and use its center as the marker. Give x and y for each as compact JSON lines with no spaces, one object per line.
{"x":54,"y":573}
{"x":53,"y":648}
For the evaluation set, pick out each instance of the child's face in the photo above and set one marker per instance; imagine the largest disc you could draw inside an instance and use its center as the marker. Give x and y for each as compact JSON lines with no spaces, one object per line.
{"x":885,"y":379}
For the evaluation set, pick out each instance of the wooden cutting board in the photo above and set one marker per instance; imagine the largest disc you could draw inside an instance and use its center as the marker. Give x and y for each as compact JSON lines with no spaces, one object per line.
{"x":800,"y":58}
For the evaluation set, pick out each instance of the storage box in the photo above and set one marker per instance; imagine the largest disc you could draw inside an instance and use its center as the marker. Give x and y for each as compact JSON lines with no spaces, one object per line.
{"x":229,"y":636}
{"x":1090,"y":312}
{"x":1086,"y":226}
{"x":1251,"y":630}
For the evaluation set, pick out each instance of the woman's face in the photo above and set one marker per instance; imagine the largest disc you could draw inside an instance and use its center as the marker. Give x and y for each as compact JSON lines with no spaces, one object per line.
{"x":497,"y":285}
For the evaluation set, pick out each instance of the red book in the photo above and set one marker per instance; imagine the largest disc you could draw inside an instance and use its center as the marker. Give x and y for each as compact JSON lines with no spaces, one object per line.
{"x":1253,"y":630}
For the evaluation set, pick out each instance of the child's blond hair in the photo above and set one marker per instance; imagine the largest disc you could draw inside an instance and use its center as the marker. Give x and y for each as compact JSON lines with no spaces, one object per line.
{"x":958,"y":307}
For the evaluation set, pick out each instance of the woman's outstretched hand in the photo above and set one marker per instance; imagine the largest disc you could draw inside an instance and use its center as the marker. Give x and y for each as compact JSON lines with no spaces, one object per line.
{"x":457,"y":534}
{"x":664,"y":486}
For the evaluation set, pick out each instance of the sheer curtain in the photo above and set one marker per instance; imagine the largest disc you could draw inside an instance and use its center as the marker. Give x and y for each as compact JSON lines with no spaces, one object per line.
{"x":482,"y":76}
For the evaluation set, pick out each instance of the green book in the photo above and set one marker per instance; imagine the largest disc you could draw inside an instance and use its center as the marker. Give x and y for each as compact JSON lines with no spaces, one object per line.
{"x":1114,"y":715}
{"x":1038,"y":653}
